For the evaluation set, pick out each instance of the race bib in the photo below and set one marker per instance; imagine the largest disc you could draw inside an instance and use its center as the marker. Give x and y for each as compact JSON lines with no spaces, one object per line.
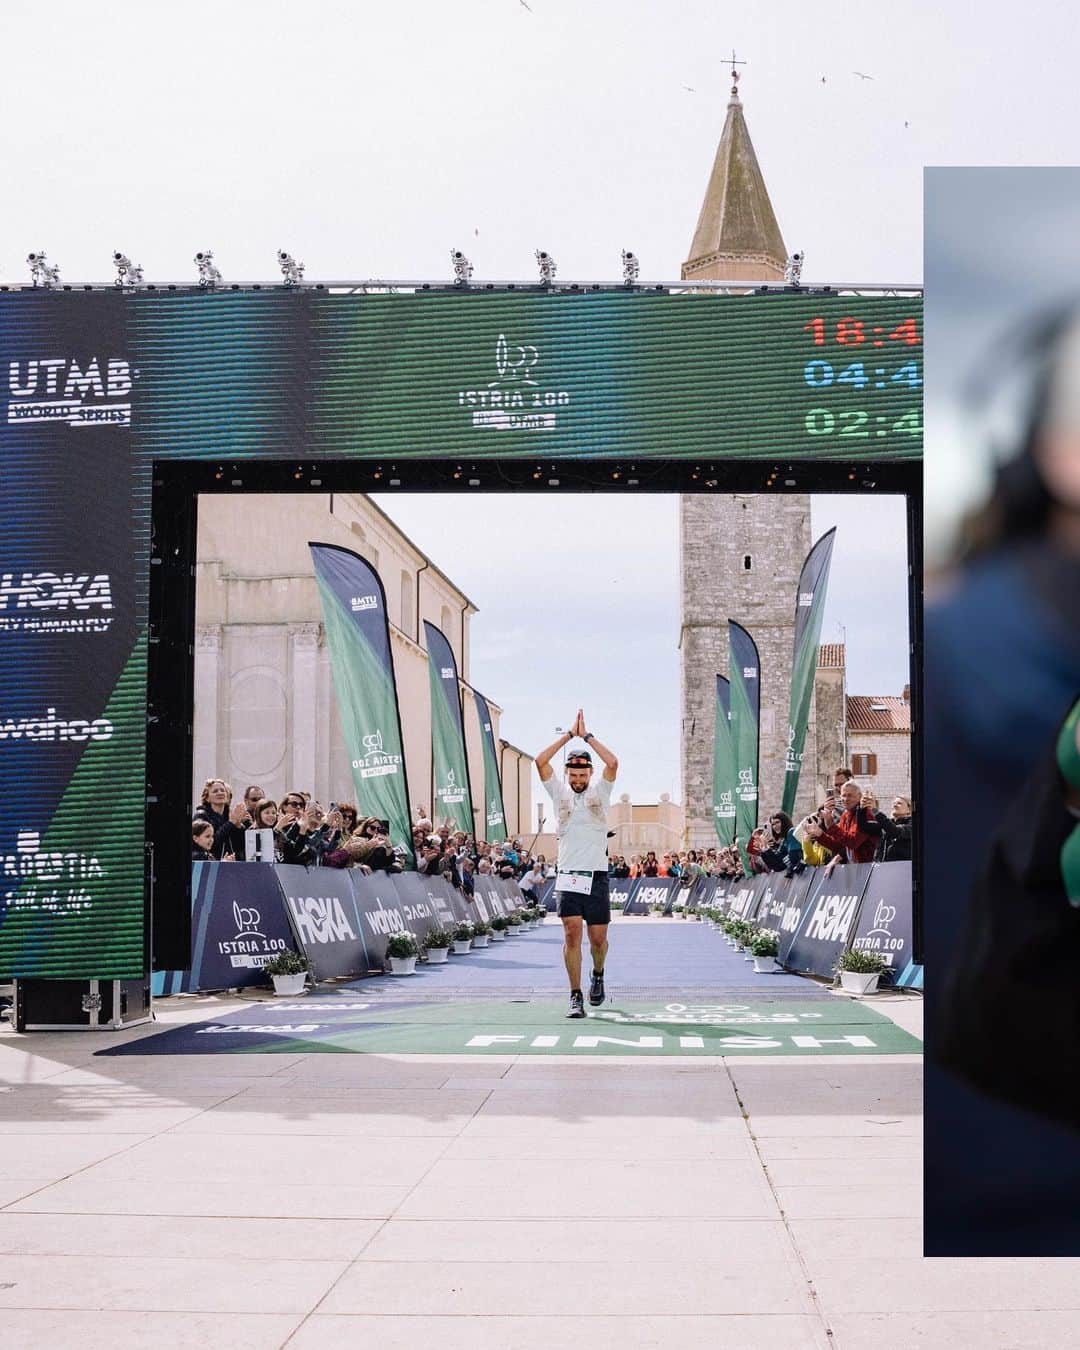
{"x":579,"y":882}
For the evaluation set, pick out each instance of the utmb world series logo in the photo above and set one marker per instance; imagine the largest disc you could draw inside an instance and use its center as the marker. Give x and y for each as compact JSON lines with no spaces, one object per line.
{"x":515,"y":400}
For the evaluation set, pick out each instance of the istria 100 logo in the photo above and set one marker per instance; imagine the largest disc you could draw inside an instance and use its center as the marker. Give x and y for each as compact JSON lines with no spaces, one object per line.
{"x":514,"y":400}
{"x":89,"y":393}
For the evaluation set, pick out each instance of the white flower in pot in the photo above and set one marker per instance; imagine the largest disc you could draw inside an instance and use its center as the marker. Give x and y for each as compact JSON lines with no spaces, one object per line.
{"x":402,"y":949}
{"x":859,"y":971}
{"x":437,"y":945}
{"x":764,"y":947}
{"x":289,"y":972}
{"x":463,"y":936}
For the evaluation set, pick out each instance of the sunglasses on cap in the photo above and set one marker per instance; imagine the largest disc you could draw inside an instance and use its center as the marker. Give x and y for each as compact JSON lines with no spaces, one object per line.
{"x":580,"y":760}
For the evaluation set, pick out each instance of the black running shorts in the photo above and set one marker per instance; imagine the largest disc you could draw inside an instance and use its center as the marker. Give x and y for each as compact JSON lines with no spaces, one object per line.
{"x":593,"y":908}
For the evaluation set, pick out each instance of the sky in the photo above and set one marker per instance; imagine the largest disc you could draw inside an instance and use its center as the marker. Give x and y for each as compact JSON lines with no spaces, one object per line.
{"x":596,"y":624}
{"x":370,"y":139}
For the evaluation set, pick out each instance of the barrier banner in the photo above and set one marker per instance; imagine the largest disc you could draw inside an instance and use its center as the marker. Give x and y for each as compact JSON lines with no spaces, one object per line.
{"x":782,"y":899}
{"x":325,"y":918}
{"x":489,"y":898}
{"x":884,"y":925}
{"x":510,"y":893}
{"x":716,"y":892}
{"x":449,"y":766}
{"x":650,"y":891}
{"x":381,"y":913}
{"x":828,"y":920}
{"x":743,"y":898}
{"x":745,"y":673}
{"x":547,"y":894}
{"x":238,"y":922}
{"x":724,"y":771}
{"x":809,"y":611}
{"x":494,"y":810}
{"x":362,"y":664}
{"x":425,"y":901}
{"x":448,"y":904}
{"x":620,"y":889}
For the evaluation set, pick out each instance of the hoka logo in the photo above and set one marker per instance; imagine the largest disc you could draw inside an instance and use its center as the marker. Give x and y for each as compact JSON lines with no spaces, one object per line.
{"x":832,"y":917}
{"x":320,"y":919}
{"x":54,"y":590}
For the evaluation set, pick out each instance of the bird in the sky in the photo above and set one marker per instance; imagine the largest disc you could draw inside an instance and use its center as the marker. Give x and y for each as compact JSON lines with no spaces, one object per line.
{"x":854,"y":72}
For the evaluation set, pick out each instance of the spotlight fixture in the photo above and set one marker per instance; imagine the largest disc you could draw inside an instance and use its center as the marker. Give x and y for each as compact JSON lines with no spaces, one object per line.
{"x":463,"y":268}
{"x":209,"y":276}
{"x":793,"y":270}
{"x":631,"y":266}
{"x":547,"y":267}
{"x":127,"y":272}
{"x":291,"y":270}
{"x":42,"y":273}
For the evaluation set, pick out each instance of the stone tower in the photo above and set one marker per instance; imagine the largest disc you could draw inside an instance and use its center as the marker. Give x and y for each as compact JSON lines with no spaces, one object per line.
{"x":740,"y":556}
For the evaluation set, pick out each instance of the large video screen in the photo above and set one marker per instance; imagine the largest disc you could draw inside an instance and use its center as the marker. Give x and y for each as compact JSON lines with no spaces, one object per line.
{"x":95,"y":387}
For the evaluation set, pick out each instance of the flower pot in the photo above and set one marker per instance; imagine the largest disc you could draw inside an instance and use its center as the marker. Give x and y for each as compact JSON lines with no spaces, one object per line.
{"x":855,"y":983}
{"x":480,"y":940}
{"x":288,"y":986}
{"x":765,"y":965}
{"x":462,"y":945}
{"x":402,"y":965}
{"x":498,"y":935}
{"x":437,"y":955}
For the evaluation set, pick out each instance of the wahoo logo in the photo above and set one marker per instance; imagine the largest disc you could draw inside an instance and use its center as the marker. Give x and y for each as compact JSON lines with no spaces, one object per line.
{"x":749,"y":672}
{"x":832,"y":917}
{"x":320,"y":919}
{"x":361,"y":602}
{"x":385,"y":921}
{"x":58,"y":389}
{"x":791,"y":918}
{"x":883,"y":916}
{"x":806,"y":599}
{"x":52,"y":728}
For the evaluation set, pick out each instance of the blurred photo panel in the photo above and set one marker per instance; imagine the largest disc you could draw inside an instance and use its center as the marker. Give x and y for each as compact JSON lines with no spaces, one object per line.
{"x":1002,"y":727}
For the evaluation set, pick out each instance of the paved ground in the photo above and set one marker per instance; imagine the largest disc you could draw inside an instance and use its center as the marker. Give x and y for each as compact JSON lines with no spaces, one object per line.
{"x":392,"y":1200}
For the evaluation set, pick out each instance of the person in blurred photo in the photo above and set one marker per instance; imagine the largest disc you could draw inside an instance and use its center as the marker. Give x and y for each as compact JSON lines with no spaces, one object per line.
{"x":202,"y":841}
{"x":1002,"y":670}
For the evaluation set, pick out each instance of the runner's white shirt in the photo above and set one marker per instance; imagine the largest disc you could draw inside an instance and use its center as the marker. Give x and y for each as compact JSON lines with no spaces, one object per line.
{"x":582,"y":824}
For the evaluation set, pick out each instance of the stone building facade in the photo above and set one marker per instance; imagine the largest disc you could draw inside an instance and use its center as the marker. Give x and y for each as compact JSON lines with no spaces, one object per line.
{"x":740,"y":558}
{"x":740,"y":555}
{"x":265,"y":710}
{"x":879,"y":744}
{"x":830,"y":706}
{"x":639,"y":827}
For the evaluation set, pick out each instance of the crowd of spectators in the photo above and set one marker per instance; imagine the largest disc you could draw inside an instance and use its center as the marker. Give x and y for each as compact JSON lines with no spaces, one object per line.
{"x":302,"y":832}
{"x":847,"y":826}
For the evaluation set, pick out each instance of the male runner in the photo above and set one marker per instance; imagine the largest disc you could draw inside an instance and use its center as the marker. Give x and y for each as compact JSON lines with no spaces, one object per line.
{"x":581,"y":883}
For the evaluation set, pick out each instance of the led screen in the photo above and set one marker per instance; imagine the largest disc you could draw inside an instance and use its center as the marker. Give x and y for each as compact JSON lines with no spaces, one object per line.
{"x":94,"y":387}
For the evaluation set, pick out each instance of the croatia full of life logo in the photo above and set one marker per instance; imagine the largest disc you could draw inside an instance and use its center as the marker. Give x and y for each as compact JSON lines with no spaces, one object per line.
{"x":514,"y":400}
{"x":90,"y":393}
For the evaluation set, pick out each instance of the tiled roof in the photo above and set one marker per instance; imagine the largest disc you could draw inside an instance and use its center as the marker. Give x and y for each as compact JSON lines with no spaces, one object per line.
{"x":831,"y":655}
{"x":865,"y":713}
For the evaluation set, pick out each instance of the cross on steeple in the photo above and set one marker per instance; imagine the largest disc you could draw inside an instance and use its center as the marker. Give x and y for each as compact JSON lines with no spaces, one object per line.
{"x":735,"y":74}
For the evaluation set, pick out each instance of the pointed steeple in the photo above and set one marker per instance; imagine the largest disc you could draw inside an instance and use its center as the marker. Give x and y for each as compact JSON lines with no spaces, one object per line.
{"x":737,"y":237}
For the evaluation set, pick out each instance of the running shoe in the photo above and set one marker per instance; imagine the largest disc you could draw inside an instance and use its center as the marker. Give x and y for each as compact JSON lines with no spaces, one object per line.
{"x":577,"y":1004}
{"x":596,"y":988}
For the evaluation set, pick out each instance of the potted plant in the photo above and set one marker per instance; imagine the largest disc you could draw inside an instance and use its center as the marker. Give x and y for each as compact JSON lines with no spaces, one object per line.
{"x":859,"y":971}
{"x":481,"y":933}
{"x":402,"y":949}
{"x":463,"y":936}
{"x":513,"y":924}
{"x":498,"y":928}
{"x":289,"y":971}
{"x":764,"y":946}
{"x":437,"y":945}
{"x":541,"y":914}
{"x":680,"y":910}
